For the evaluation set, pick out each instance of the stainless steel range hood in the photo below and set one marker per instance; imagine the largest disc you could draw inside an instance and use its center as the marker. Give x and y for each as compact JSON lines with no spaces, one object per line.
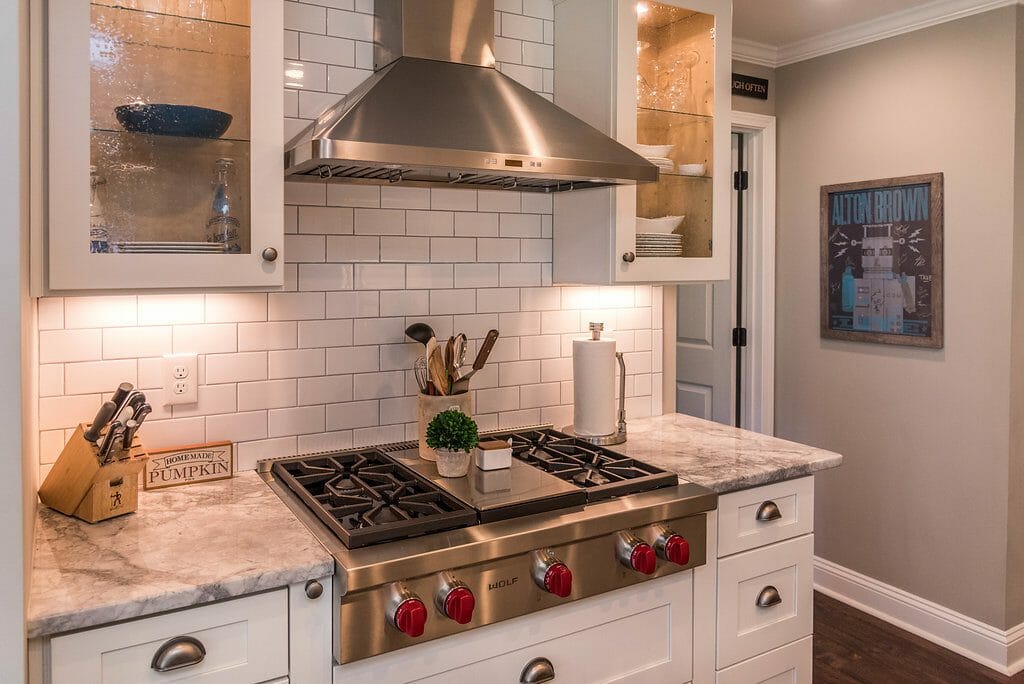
{"x":437,"y":112}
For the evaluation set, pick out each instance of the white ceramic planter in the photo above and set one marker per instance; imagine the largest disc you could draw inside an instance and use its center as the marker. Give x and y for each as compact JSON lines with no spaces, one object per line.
{"x":452,"y":463}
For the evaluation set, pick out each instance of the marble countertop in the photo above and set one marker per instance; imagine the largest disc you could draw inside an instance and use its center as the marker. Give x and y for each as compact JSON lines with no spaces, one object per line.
{"x":720,"y":457}
{"x":184,"y":546}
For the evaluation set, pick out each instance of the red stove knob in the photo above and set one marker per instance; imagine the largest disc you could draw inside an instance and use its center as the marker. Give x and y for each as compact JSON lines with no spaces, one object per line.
{"x":636,"y":554}
{"x":551,"y":574}
{"x":459,"y":604}
{"x":675,"y":549}
{"x":558,"y":580}
{"x":410,"y":617}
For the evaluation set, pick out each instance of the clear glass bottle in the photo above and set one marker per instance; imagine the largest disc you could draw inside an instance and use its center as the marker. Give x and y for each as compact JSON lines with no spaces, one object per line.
{"x":222,"y":226}
{"x":99,"y":235}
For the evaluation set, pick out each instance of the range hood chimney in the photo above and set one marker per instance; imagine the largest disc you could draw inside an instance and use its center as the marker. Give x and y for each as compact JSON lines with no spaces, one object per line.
{"x":437,"y":112}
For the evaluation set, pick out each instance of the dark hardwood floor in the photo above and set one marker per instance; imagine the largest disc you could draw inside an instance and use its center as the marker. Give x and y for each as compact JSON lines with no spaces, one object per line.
{"x":851,"y":646}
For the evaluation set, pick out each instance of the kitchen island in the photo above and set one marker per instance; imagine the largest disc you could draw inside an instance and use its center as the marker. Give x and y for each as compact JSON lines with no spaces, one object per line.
{"x":215,"y":544}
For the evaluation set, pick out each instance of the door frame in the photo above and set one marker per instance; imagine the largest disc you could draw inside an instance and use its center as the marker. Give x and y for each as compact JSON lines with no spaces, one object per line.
{"x":759,"y":130}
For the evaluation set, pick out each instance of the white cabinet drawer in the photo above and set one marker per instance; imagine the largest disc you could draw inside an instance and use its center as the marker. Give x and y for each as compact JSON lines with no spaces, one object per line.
{"x":246,"y":640}
{"x":790,"y":664}
{"x":765,"y":515}
{"x":765,"y":599}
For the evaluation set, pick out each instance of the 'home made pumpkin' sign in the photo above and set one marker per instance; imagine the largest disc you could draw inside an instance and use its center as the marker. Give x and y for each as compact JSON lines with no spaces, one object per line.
{"x":189,"y":464}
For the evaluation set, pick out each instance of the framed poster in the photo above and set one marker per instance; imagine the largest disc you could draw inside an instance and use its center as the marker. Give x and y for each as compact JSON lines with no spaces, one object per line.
{"x":881,"y":261}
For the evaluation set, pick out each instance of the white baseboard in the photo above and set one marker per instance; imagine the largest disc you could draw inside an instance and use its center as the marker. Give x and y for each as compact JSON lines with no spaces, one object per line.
{"x":998,"y":649}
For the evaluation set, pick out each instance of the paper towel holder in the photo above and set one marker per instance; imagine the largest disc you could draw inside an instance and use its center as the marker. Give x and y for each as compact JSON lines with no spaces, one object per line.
{"x":619,"y":436}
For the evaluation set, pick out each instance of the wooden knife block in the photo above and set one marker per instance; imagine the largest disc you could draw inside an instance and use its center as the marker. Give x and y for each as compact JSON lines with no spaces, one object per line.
{"x":78,"y":485}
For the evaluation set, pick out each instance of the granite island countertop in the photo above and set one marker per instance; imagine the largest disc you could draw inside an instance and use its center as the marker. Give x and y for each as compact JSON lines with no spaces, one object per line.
{"x":720,"y":457}
{"x":184,"y":546}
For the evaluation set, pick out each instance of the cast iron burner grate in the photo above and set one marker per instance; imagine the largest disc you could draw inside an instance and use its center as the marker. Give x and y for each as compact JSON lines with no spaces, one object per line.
{"x":366,"y":498}
{"x":601,"y":472}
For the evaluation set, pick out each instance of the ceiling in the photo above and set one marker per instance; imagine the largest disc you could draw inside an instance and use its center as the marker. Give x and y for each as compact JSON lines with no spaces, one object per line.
{"x":784,"y":22}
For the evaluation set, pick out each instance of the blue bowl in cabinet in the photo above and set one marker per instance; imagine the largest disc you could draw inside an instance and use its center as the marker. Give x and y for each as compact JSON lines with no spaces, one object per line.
{"x":171,"y":119}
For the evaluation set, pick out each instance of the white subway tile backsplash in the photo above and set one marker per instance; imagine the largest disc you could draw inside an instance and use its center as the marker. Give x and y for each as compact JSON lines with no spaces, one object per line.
{"x":51,"y":443}
{"x":398,"y":197}
{"x":100,"y":312}
{"x":429,"y":276}
{"x":352,"y":304}
{"x":296,"y":363}
{"x":346,"y":195}
{"x":378,"y":331}
{"x":458,"y":259}
{"x":132,"y":343}
{"x":236,"y":307}
{"x":56,"y":346}
{"x":353,"y":414}
{"x":300,"y":420}
{"x":264,"y":336}
{"x":254,"y":396}
{"x":326,"y":389}
{"x":208,"y":338}
{"x":238,"y":367}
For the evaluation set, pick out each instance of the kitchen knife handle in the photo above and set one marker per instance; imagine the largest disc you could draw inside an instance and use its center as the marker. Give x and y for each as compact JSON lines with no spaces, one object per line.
{"x":485,"y":349}
{"x":108,"y":441}
{"x":103,"y":417}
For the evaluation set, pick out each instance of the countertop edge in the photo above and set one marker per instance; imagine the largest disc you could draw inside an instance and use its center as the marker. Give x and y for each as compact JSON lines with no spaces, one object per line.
{"x":727,"y":486}
{"x":191,"y":597}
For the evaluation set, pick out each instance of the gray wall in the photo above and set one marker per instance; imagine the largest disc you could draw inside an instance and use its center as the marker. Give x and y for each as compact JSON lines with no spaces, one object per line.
{"x":750,"y":104}
{"x":921,"y":501}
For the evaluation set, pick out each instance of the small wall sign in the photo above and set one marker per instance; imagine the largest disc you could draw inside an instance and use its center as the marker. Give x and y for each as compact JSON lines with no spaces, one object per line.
{"x":189,"y":464}
{"x":750,"y":86}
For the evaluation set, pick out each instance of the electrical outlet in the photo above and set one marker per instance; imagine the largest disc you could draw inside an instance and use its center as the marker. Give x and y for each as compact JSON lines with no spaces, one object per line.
{"x":180,"y":379}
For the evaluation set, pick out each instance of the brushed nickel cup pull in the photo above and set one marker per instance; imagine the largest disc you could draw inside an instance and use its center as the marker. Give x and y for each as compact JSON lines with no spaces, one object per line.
{"x":629,"y":257}
{"x":769,"y":597}
{"x":179,"y":652}
{"x":768,"y":511}
{"x":537,"y":671}
{"x":270,"y":254}
{"x":314,"y":589}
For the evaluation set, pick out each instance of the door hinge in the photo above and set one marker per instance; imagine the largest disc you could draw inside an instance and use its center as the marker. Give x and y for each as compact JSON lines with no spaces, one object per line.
{"x":739,"y":337}
{"x":740,"y":180}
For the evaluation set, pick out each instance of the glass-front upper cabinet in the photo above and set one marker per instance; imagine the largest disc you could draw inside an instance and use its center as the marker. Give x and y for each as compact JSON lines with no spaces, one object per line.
{"x":667,"y":98}
{"x":162,"y":172}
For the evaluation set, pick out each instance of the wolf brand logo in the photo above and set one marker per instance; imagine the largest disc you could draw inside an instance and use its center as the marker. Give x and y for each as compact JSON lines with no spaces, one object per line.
{"x":502,"y":583}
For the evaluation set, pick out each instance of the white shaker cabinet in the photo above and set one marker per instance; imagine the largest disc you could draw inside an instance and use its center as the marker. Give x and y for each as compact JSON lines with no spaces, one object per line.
{"x":163,"y":146}
{"x":654,"y":75}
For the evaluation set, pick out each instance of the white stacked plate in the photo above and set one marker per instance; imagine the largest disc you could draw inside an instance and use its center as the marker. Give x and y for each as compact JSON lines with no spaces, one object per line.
{"x":659,"y":244}
{"x":664,"y":164}
{"x":167,"y":247}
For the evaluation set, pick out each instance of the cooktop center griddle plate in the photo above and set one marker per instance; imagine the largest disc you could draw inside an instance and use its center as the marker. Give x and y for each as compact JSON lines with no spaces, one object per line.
{"x":500,"y":494}
{"x":366,"y":498}
{"x":600,"y":472}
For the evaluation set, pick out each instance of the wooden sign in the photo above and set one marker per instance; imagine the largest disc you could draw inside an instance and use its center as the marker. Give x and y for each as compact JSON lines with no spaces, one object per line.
{"x":881,"y":261}
{"x":750,"y":86}
{"x":189,"y":464}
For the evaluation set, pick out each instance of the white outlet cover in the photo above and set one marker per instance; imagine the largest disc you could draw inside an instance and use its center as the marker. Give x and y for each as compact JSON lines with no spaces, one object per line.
{"x":181,"y":379}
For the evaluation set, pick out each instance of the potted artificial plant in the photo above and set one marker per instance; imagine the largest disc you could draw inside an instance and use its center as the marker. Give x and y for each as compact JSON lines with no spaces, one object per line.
{"x":453,"y":435}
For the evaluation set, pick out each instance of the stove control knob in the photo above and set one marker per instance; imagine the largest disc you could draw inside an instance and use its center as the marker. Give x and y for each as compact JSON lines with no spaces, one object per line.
{"x":552,"y":575}
{"x":458,"y":604}
{"x":636,"y":554}
{"x":410,"y":617}
{"x":673,"y":547}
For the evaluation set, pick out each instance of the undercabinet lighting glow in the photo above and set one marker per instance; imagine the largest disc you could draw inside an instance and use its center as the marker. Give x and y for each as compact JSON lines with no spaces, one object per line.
{"x":294,"y":73}
{"x":641,"y":9}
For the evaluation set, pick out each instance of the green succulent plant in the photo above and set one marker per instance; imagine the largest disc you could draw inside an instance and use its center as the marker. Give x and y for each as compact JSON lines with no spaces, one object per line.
{"x":452,"y":430}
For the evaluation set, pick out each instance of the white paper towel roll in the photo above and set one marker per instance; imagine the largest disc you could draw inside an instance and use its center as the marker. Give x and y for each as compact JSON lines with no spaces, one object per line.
{"x":593,"y":373}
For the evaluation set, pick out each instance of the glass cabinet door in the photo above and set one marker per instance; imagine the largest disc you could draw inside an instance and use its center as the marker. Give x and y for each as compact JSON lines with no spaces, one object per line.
{"x":153,"y":133}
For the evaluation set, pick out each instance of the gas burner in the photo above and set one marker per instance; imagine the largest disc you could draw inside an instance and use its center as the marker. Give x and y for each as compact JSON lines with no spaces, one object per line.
{"x":366,"y":498}
{"x":601,"y":472}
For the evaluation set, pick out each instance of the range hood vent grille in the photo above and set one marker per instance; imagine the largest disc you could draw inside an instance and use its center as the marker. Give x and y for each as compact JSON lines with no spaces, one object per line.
{"x":409,"y":176}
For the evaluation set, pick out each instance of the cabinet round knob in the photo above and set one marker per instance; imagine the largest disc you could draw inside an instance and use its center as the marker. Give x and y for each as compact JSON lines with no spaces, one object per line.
{"x":537,"y":671}
{"x":628,"y":257}
{"x":314,"y":589}
{"x":179,"y":652}
{"x":270,"y":254}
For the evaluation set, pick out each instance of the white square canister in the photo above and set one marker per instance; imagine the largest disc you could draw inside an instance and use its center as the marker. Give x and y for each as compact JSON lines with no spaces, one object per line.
{"x":493,"y":455}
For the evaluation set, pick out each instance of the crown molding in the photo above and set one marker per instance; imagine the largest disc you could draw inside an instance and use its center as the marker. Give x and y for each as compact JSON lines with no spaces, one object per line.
{"x":887,"y":26}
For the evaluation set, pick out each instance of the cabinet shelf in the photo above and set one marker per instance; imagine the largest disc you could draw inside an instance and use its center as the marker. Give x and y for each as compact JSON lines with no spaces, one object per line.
{"x":673,"y":112}
{"x":197,"y":138}
{"x":151,"y":8}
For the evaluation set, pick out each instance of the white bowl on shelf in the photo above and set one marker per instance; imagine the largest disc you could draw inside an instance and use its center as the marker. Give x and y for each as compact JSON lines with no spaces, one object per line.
{"x":649,"y":151}
{"x":692,"y":169}
{"x":663,"y":225}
